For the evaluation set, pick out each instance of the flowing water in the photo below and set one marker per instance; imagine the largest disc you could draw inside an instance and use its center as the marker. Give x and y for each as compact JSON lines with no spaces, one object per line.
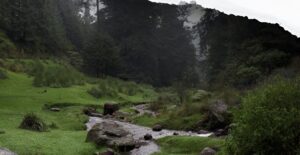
{"x":139,"y":132}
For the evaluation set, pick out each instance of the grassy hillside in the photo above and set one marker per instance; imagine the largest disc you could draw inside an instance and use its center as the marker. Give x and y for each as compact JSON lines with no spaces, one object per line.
{"x":18,"y":97}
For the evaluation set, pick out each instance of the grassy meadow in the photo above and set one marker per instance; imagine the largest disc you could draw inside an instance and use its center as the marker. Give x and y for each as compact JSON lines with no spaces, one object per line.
{"x":18,"y":97}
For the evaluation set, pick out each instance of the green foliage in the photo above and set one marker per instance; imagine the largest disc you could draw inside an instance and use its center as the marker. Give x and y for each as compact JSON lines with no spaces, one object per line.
{"x":165,"y":99}
{"x":101,"y":56}
{"x":19,"y":97}
{"x":200,"y":95}
{"x":7,"y":48}
{"x":3,"y":74}
{"x":245,"y":50}
{"x":56,"y":76}
{"x":269,"y":60}
{"x":34,"y":123}
{"x":188,"y":145}
{"x":268,"y":120}
{"x":246,"y":76}
{"x":115,"y":88}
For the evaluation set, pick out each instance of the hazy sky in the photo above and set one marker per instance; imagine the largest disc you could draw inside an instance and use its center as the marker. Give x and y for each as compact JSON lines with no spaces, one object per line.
{"x":284,"y":12}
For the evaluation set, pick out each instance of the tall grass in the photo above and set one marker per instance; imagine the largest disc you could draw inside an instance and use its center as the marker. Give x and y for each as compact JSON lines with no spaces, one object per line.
{"x":56,"y":76}
{"x":111,"y":87}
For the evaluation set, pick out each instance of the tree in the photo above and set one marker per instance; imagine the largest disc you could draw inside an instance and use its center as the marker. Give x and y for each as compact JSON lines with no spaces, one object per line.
{"x":101,"y":56}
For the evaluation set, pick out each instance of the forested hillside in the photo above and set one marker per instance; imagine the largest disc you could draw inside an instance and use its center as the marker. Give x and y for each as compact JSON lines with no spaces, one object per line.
{"x":146,"y":42}
{"x":115,"y":76}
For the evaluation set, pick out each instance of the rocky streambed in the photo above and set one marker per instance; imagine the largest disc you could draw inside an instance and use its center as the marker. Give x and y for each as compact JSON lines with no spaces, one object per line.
{"x":114,"y":131}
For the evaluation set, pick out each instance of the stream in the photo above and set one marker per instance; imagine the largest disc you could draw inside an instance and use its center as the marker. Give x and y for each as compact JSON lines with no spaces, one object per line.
{"x":139,"y":132}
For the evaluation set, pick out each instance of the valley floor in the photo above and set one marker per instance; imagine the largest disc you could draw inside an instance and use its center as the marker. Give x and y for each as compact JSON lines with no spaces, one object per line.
{"x":67,"y":132}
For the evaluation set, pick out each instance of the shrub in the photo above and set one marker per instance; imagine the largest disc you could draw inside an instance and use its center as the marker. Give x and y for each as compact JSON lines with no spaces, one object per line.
{"x":56,"y":76}
{"x":34,"y":123}
{"x":164,"y":99}
{"x":200,"y":95}
{"x":3,"y":74}
{"x":246,"y":76}
{"x":268,"y":121}
{"x":111,"y":87}
{"x":7,"y":48}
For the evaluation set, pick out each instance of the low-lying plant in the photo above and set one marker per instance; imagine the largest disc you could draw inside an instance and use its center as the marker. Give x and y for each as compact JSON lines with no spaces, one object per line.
{"x":34,"y":123}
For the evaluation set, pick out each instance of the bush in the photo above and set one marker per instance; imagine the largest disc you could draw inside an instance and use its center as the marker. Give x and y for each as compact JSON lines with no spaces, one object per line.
{"x":268,"y":121}
{"x":111,"y":87}
{"x":56,"y":76}
{"x":164,"y":99}
{"x":7,"y":48}
{"x":34,"y":123}
{"x":3,"y":74}
{"x":246,"y":76}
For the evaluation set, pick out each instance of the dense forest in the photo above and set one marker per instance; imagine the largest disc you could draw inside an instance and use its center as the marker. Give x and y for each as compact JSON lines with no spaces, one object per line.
{"x":145,"y":41}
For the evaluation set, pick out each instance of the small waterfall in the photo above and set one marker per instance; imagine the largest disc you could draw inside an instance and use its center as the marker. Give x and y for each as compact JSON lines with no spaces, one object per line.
{"x":191,"y":15}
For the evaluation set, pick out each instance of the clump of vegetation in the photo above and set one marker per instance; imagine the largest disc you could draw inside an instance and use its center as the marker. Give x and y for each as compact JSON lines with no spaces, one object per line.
{"x":3,"y":74}
{"x":164,"y":99}
{"x":34,"y":123}
{"x":188,"y":145}
{"x":268,"y":121}
{"x":111,"y":87}
{"x":6,"y":46}
{"x":56,"y":76}
{"x":53,"y":126}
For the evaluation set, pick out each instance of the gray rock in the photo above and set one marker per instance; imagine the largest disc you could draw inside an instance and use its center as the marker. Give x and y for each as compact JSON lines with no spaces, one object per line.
{"x":123,"y":144}
{"x":208,"y":151}
{"x":113,"y":135}
{"x":4,"y":151}
{"x":148,"y":137}
{"x":92,"y":114}
{"x":55,"y":109}
{"x":157,"y":128}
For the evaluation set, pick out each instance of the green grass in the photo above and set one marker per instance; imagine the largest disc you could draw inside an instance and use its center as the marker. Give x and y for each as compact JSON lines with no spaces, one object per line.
{"x":18,"y":97}
{"x":147,"y":120}
{"x":183,"y":145}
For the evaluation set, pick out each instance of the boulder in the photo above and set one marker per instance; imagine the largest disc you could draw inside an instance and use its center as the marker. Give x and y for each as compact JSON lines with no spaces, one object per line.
{"x":175,"y":134}
{"x":110,"y":108}
{"x":148,"y":137}
{"x":208,"y":151}
{"x":157,"y":128}
{"x":112,"y":135}
{"x":123,"y":144}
